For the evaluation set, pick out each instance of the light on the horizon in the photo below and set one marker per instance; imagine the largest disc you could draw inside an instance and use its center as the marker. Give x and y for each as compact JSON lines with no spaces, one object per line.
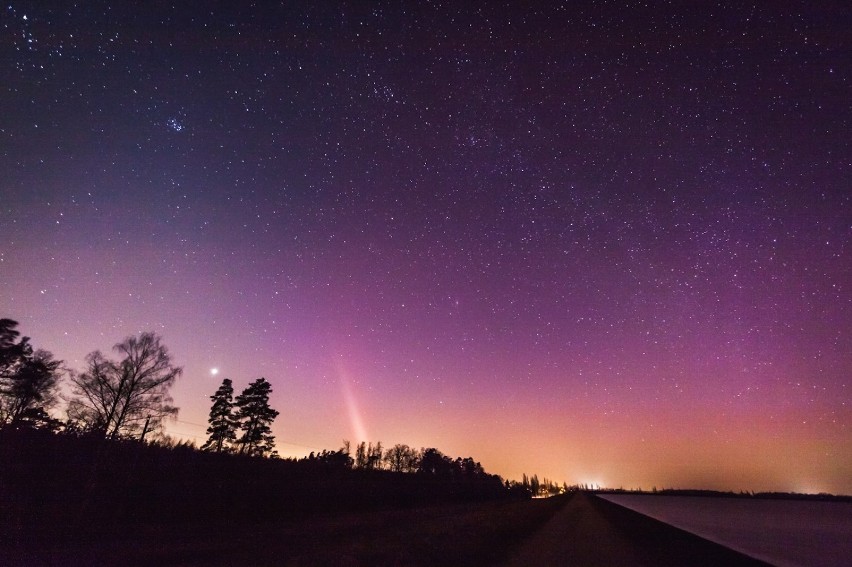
{"x":592,"y":484}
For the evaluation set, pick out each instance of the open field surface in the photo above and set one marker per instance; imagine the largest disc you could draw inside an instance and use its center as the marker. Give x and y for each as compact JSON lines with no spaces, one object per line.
{"x":463,"y":534}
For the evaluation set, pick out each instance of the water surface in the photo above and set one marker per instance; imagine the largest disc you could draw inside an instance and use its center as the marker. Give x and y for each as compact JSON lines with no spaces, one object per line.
{"x":782,"y":532}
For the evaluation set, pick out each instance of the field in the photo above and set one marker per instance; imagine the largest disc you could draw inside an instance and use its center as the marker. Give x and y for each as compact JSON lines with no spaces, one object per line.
{"x":459,"y":534}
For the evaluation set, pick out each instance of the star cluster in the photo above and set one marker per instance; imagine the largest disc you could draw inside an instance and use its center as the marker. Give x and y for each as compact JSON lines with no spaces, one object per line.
{"x":605,"y":241}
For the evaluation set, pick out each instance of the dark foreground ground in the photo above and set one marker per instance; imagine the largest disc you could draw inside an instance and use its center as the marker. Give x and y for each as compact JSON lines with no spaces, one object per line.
{"x":480,"y":533}
{"x":578,"y":529}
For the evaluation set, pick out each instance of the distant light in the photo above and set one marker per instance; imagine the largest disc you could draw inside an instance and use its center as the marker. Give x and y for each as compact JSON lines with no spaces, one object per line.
{"x":593,"y":484}
{"x":214,"y":371}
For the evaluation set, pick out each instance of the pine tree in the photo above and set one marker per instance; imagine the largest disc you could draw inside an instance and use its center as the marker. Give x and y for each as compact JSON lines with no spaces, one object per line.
{"x":223,"y":425}
{"x":255,"y":417}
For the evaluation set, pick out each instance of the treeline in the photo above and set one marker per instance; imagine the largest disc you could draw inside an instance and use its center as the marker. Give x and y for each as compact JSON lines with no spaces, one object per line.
{"x":400,"y":458}
{"x":103,"y":471}
{"x":62,"y":487}
{"x":128,"y":398}
{"x":536,"y":488}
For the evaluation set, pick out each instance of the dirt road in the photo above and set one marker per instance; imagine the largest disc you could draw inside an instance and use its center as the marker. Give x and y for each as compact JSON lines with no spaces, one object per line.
{"x":592,"y":532}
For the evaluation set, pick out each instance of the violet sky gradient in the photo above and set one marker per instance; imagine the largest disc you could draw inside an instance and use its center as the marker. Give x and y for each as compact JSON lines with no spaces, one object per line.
{"x":600,"y":242}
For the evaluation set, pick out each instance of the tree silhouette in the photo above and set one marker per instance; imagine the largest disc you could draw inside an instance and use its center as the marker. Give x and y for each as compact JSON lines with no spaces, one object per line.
{"x":339,"y":459}
{"x":28,"y":380}
{"x":12,"y":354}
{"x":223,"y":425}
{"x":255,"y":417}
{"x":369,"y":456}
{"x":401,"y":458}
{"x":374,"y":455}
{"x":535,"y":485}
{"x":30,"y":389}
{"x":469,"y":468}
{"x":361,"y":455}
{"x":116,"y":398}
{"x":433,"y":462}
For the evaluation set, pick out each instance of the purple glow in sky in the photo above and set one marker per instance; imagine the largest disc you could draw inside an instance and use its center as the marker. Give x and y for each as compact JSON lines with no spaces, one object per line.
{"x":602,"y":243}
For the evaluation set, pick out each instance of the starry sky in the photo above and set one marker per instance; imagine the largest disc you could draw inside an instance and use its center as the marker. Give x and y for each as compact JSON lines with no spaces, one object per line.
{"x":603,"y":242}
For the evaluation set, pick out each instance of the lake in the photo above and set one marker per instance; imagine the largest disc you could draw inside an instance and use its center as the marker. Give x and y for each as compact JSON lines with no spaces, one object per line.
{"x":781,"y":532}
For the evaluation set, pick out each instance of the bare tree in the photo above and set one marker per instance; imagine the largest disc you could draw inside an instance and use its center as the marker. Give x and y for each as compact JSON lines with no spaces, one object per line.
{"x":117,"y":398}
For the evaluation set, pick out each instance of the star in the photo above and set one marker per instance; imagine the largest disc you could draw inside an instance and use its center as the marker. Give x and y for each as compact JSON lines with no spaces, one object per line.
{"x":174,"y":124}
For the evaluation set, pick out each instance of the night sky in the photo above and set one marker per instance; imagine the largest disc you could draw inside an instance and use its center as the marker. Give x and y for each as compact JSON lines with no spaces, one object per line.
{"x":604,"y":244}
